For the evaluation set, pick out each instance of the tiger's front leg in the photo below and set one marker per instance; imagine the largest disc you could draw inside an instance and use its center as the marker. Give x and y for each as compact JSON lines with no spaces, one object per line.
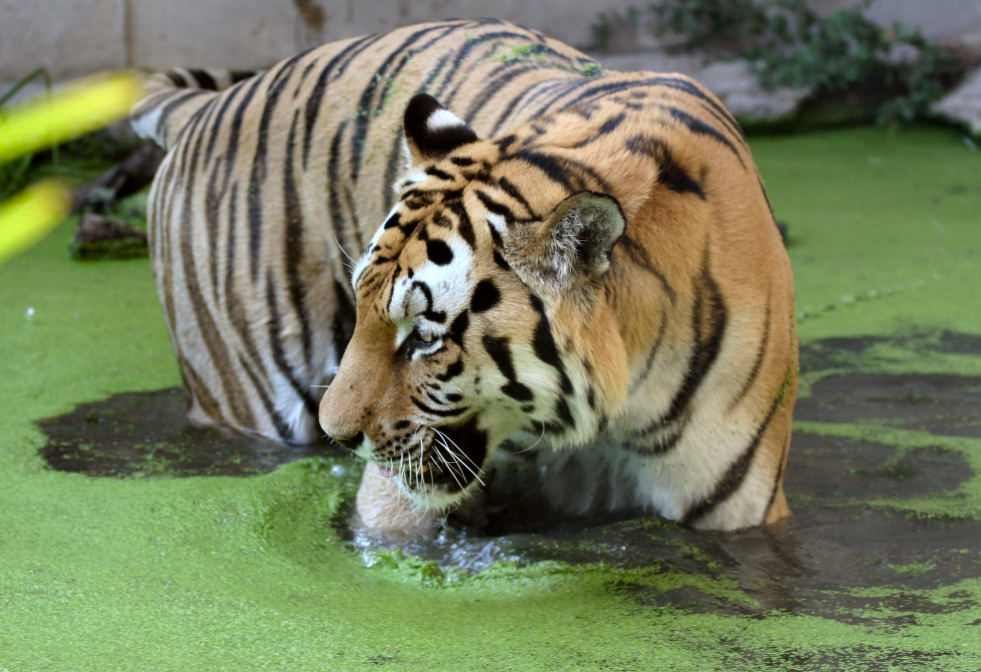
{"x":383,"y":510}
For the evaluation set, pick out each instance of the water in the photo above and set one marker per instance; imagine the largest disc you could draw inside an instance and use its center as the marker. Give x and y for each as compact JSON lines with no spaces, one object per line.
{"x":851,"y":547}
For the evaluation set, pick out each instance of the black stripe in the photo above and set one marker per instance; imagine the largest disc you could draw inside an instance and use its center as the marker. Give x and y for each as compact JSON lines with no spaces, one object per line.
{"x":512,"y":191}
{"x":533,"y":92}
{"x":282,"y":429}
{"x":174,"y":103}
{"x":608,"y":127}
{"x":517,"y":391}
{"x":670,"y":173}
{"x":649,"y":362}
{"x":218,"y":122}
{"x":275,"y":334}
{"x":735,"y":474}
{"x":199,"y":391}
{"x":229,"y":260}
{"x":499,"y":349}
{"x":776,"y":480}
{"x":758,"y":362}
{"x":696,"y":125}
{"x":236,"y":126}
{"x":213,"y":339}
{"x":428,"y":313}
{"x":213,"y":221}
{"x":315,"y":99}
{"x":564,"y":171}
{"x":638,"y":255}
{"x":242,"y":325}
{"x":204,"y":79}
{"x":333,"y":184}
{"x":257,"y":176}
{"x":464,"y":225}
{"x":452,"y":371}
{"x":177,"y":79}
{"x":493,"y":205}
{"x":545,"y":347}
{"x":492,"y":84}
{"x":565,"y":415}
{"x":485,"y":296}
{"x":342,"y":327}
{"x":381,"y":73}
{"x":441,"y":413}
{"x":458,"y":328}
{"x":295,"y":244}
{"x":436,"y":172}
{"x":605,"y":88}
{"x":706,"y":345}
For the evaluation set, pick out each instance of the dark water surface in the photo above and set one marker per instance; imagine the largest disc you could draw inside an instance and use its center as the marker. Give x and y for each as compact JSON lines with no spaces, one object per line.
{"x":846,"y":553}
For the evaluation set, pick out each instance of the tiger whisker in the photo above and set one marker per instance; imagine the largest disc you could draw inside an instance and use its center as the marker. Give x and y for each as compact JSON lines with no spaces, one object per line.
{"x":345,"y":253}
{"x":447,"y":464}
{"x":455,"y":445}
{"x":458,"y":453}
{"x":541,"y":437}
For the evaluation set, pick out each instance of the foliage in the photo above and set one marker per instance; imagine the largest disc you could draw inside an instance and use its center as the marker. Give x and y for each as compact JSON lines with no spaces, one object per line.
{"x":40,"y":124}
{"x":787,"y":44}
{"x":16,"y":174}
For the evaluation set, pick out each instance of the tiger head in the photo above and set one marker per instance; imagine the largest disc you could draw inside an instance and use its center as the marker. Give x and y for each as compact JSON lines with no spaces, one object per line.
{"x":462,"y":296}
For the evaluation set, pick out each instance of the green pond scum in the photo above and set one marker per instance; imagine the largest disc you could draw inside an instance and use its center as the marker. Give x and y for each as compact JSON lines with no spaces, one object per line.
{"x":877,"y":569}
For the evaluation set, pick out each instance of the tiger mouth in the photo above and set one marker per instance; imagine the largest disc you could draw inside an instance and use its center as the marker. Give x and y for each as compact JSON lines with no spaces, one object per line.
{"x":447,"y":458}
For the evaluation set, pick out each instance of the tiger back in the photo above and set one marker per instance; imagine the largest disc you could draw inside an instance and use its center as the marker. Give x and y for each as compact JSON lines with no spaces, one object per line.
{"x":272,"y":187}
{"x":604,"y":282}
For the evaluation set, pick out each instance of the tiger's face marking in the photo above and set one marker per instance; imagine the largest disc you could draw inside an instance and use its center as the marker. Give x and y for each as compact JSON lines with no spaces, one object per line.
{"x":453,"y":349}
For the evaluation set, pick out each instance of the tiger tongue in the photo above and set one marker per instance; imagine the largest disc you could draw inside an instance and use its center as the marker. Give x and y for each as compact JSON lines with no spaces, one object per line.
{"x":385,"y":471}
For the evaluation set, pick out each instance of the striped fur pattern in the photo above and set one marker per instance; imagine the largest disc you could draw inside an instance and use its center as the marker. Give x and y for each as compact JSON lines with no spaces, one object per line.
{"x":273,"y":184}
{"x":604,"y":282}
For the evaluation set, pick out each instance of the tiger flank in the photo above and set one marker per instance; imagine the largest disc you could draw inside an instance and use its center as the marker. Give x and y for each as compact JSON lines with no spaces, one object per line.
{"x":602,"y":279}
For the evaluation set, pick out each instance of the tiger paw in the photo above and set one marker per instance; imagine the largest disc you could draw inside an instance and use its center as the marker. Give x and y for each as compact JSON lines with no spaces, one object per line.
{"x":382,"y":510}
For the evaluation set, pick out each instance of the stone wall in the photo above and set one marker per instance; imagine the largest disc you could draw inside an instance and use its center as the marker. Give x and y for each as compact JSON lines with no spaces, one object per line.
{"x":73,"y":37}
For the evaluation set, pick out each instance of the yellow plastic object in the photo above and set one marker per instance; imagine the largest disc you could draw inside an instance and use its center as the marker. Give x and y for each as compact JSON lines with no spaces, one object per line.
{"x":73,"y":110}
{"x":76,"y":109}
{"x":26,"y":217}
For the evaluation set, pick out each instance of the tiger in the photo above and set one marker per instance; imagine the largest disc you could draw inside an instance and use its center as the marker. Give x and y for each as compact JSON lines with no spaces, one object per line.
{"x":599,"y":279}
{"x":603,"y":282}
{"x":272,"y":184}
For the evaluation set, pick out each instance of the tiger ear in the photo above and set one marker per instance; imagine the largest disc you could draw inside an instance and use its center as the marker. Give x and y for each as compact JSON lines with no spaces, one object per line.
{"x":572,"y":245}
{"x":432,"y":131}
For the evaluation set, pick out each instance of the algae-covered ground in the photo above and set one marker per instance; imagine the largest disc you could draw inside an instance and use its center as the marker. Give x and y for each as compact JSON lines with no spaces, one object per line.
{"x":129,"y":542}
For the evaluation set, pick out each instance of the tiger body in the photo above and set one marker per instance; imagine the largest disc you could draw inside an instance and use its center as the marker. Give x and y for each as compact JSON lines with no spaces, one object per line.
{"x":601,"y":278}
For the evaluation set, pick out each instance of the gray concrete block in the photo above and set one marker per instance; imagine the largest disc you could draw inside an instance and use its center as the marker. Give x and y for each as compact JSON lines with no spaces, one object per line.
{"x":66,"y":38}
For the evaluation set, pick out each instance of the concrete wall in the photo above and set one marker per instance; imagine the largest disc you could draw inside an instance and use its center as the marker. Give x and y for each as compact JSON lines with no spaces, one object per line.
{"x":73,"y":37}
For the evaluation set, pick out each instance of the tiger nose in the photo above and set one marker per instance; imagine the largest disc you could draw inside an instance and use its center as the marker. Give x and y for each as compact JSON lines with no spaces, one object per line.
{"x":351,"y":441}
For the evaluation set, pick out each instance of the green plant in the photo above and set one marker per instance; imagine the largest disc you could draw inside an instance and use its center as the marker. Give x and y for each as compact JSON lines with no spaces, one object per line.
{"x":897,"y":70}
{"x":16,"y":174}
{"x":28,"y":128}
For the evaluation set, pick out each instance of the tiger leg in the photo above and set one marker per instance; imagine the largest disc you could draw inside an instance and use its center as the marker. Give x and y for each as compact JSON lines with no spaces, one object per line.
{"x":382,"y":509}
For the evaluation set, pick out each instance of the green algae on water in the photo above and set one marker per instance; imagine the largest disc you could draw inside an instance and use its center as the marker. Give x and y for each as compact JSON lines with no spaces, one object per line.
{"x":232,"y":573}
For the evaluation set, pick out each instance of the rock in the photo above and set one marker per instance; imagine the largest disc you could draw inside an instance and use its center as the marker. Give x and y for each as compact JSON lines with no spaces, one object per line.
{"x":101,"y":237}
{"x":963,"y":104}
{"x":737,"y":86}
{"x":732,"y":81}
